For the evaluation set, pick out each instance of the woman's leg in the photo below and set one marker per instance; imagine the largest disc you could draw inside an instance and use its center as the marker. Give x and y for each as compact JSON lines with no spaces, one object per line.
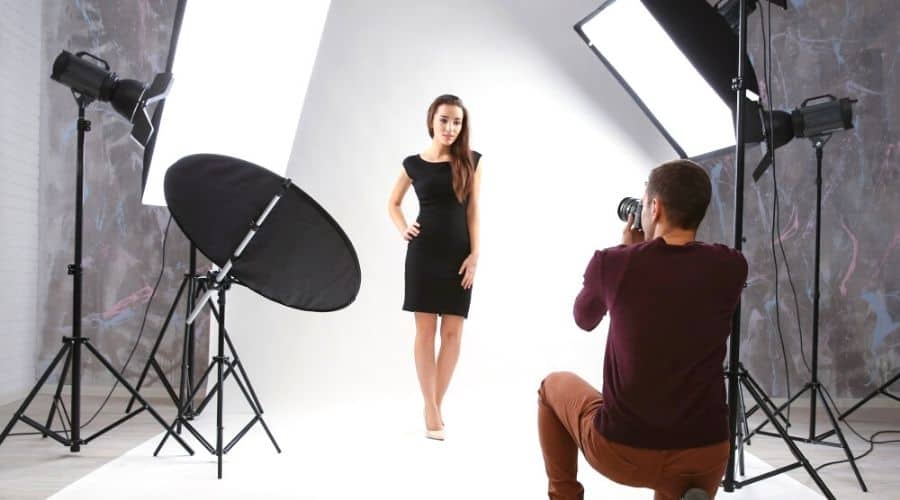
{"x":451,"y":338}
{"x":426,"y":325}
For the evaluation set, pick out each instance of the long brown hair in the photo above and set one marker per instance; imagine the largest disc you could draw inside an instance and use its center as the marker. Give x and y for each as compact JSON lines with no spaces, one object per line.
{"x":462,"y":165}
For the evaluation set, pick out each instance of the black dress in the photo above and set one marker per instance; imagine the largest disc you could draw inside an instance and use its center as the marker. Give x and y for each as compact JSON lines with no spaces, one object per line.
{"x":433,"y":258}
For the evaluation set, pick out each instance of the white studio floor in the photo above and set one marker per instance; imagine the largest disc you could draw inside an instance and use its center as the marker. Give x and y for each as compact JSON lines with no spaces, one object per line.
{"x":365,"y":451}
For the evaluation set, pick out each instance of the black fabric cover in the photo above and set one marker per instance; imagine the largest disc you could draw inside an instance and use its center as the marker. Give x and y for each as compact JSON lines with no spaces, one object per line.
{"x":706,"y":39}
{"x":300,"y":257}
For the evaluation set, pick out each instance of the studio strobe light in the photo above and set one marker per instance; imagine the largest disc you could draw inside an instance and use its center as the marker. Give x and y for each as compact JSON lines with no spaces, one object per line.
{"x":129,"y":98}
{"x":88,"y":82}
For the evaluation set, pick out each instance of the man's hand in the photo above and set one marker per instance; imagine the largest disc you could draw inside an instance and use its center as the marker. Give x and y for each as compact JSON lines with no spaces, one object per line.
{"x":631,"y":236}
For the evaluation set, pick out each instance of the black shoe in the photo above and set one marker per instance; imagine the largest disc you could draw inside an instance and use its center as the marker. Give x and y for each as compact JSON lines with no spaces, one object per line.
{"x":695,"y":494}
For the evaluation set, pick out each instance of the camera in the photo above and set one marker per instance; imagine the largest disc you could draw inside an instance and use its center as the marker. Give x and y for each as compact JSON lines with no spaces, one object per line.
{"x":630,"y":206}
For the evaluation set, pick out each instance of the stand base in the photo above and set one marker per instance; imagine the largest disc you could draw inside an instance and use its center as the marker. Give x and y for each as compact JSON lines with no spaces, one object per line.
{"x":746,"y":383}
{"x":73,"y":440}
{"x":817,"y":391}
{"x":225,"y":368}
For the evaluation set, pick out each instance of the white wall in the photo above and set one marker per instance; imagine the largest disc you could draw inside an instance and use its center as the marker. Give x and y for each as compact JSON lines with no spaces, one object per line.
{"x":20,"y":74}
{"x":562,"y":144}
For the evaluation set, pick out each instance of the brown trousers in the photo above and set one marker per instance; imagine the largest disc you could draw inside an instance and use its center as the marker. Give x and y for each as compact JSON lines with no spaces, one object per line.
{"x":567,"y":406}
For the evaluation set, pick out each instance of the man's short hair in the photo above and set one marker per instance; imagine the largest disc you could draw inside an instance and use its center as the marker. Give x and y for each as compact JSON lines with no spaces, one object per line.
{"x":684,"y":188}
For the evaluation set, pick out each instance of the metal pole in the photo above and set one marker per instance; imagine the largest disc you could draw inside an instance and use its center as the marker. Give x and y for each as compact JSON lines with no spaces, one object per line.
{"x":734,"y":342}
{"x":819,"y":144}
{"x":76,"y":272}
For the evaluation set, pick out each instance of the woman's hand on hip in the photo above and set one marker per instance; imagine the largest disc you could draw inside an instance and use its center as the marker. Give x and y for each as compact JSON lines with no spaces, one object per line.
{"x":411,"y":231}
{"x":467,"y":270}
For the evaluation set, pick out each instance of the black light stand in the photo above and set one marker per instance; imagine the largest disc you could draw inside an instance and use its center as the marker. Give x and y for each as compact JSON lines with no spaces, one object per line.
{"x":71,"y":348}
{"x":188,"y":392}
{"x":235,"y":362}
{"x":188,"y":359}
{"x":815,"y":388}
{"x":219,"y":284}
{"x":738,"y":377}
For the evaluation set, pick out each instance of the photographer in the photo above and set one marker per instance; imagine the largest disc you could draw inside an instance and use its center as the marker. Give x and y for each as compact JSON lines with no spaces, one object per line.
{"x":661,"y":421}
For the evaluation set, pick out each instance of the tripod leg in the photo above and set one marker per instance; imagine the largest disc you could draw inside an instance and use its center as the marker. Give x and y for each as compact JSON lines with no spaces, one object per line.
{"x":215,"y":388}
{"x":193,"y":432}
{"x":184,"y":384}
{"x":57,"y":396}
{"x":162,"y":333}
{"x":196,"y":288}
{"x":745,"y":424}
{"x":257,"y":411}
{"x":240,"y":367}
{"x":768,"y":400}
{"x":880,"y":390}
{"x":742,"y":431}
{"x":134,"y":393}
{"x":65,"y":420}
{"x":780,"y":408}
{"x":844,"y":445}
{"x":40,"y":383}
{"x":165,"y":382}
{"x":199,"y":385}
{"x":237,"y":364}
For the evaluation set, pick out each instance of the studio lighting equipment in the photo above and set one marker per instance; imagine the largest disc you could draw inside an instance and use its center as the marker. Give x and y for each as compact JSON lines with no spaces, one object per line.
{"x":809,"y":120}
{"x":220,"y":108}
{"x":817,"y":122}
{"x":90,"y":76}
{"x":89,"y":82}
{"x":193,"y":119}
{"x":677,"y":61}
{"x":729,"y":9}
{"x":265,"y":233}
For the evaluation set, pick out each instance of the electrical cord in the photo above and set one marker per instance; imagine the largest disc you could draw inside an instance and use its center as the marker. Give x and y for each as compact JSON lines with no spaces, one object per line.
{"x":776,"y":223}
{"x":871,"y":439}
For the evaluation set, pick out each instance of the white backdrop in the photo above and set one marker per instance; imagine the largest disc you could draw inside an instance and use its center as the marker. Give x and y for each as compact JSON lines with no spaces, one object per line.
{"x":562,"y":144}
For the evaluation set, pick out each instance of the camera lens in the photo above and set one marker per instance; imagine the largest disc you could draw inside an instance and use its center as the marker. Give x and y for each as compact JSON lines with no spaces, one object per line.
{"x":630,"y":206}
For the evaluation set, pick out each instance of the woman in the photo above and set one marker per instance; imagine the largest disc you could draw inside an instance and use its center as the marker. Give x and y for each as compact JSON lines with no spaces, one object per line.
{"x":442,"y":253}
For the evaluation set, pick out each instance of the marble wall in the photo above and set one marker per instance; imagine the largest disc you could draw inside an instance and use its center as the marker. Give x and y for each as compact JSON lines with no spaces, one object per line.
{"x":847,"y":48}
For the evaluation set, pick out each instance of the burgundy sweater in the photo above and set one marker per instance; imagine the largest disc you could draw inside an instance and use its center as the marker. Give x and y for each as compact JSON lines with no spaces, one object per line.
{"x":670,"y":308}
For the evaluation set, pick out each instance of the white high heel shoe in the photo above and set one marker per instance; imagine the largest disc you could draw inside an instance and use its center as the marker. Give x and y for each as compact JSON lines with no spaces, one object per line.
{"x":437,"y":435}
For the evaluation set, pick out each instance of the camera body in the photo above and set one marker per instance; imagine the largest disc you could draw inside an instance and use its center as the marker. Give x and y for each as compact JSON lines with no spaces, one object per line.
{"x":630,"y":206}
